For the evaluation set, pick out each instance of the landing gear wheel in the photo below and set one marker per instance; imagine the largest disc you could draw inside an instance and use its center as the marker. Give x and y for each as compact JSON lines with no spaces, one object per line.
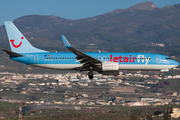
{"x":90,"y":74}
{"x":160,"y":75}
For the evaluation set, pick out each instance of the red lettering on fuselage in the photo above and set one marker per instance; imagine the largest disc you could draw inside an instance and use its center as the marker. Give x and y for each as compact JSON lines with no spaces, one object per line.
{"x":125,"y":59}
{"x":115,"y":59}
{"x":110,"y":57}
{"x":134,"y":58}
{"x":120,"y":58}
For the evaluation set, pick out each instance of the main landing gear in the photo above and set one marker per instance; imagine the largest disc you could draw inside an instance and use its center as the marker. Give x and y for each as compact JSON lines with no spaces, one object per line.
{"x":160,"y":75}
{"x":90,"y":73}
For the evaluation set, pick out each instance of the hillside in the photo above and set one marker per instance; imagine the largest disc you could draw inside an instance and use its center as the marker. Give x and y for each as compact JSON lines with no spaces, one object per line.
{"x":123,"y":30}
{"x":143,"y":23}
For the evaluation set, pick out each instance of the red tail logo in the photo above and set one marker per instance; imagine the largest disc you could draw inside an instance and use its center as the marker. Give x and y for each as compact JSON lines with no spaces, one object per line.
{"x":16,"y":46}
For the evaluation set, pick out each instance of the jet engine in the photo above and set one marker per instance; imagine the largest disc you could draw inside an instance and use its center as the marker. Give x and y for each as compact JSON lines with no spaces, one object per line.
{"x":108,"y":68}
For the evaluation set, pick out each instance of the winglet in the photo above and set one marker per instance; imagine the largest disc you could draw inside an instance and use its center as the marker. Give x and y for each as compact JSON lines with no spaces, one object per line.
{"x":66,"y":43}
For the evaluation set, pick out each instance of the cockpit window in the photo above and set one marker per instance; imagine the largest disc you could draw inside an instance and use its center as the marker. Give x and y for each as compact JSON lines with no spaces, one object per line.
{"x":168,"y":58}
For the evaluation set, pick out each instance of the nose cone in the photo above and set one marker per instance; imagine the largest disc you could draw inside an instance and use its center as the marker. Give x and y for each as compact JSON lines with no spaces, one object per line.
{"x":175,"y":63}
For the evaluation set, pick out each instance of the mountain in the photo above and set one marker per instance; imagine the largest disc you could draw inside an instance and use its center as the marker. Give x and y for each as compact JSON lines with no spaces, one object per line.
{"x":124,"y":30}
{"x":144,"y":6}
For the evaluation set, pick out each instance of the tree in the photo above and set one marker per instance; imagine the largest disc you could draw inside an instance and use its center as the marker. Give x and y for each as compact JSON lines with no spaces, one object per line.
{"x":157,"y":112}
{"x":149,"y":117}
{"x":166,"y":115}
{"x":134,"y":117}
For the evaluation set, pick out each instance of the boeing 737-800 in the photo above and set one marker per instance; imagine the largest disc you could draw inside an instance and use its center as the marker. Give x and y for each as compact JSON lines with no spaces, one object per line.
{"x":106,"y":63}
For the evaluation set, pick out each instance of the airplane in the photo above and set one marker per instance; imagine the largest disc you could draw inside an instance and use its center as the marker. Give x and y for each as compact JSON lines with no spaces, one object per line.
{"x":106,"y":63}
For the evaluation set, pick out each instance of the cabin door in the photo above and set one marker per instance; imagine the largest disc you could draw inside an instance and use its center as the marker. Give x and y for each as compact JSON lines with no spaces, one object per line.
{"x":158,"y":59}
{"x":36,"y":59}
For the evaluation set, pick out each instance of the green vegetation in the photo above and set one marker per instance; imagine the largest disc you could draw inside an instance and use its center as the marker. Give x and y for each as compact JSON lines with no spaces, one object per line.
{"x":100,"y":113}
{"x":9,"y":109}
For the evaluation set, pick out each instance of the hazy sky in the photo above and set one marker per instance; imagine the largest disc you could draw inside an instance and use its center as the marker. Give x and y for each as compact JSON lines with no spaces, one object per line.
{"x":69,"y":9}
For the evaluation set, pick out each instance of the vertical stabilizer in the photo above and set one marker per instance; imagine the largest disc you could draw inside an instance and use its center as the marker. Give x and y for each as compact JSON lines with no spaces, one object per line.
{"x":17,"y":41}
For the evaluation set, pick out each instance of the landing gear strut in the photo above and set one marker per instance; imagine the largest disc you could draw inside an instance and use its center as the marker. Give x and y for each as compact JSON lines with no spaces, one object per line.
{"x":90,"y":74}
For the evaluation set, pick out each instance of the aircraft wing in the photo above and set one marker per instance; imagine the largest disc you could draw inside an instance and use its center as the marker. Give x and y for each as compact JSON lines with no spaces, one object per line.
{"x":83,"y":58}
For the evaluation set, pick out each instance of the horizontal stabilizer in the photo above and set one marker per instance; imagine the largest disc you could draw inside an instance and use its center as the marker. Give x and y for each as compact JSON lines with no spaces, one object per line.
{"x":12,"y":53}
